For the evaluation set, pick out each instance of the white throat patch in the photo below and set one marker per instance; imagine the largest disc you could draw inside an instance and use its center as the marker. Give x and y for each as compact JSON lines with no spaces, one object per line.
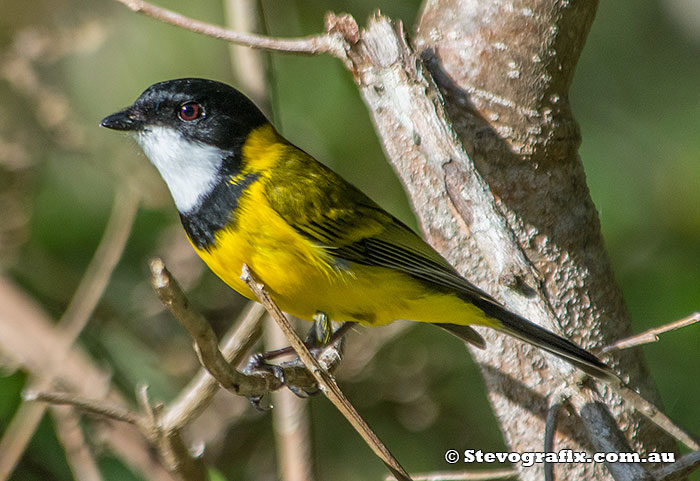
{"x":190,"y":168}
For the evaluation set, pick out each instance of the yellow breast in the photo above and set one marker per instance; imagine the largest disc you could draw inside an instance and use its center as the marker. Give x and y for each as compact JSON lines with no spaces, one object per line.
{"x":303,"y":280}
{"x":302,"y":277}
{"x":287,"y":263}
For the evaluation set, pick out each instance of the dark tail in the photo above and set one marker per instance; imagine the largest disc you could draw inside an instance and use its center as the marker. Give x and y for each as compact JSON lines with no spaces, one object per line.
{"x":525,"y":330}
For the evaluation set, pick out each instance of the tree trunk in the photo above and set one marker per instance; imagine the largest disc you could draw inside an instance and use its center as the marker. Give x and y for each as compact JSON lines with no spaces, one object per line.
{"x":514,"y":214}
{"x":504,"y":70}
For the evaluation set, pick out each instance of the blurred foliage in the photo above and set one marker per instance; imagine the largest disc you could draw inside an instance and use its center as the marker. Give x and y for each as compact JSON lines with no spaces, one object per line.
{"x":68,"y":63}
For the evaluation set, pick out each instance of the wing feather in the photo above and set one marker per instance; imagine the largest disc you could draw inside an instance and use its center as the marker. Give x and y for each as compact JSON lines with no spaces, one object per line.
{"x":350,"y":227}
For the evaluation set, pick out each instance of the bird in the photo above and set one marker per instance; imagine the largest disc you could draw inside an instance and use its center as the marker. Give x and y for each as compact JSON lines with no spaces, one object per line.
{"x":322,"y":248}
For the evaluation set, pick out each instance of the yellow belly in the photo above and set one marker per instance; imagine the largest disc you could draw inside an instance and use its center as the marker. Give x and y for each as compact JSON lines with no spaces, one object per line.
{"x":302,"y":280}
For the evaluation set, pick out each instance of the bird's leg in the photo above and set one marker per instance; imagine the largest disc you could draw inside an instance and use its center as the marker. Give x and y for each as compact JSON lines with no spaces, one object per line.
{"x":321,"y":330}
{"x":320,"y":335}
{"x":311,"y":341}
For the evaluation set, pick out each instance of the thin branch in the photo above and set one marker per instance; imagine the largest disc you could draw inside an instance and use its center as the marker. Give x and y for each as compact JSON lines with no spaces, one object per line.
{"x":99,"y":407}
{"x":290,"y":423}
{"x":27,"y":335}
{"x":312,"y":45}
{"x":206,"y":343}
{"x":250,"y":67}
{"x":605,"y":435}
{"x":105,"y":259}
{"x":550,"y":431}
{"x":171,"y":448}
{"x":326,"y":383}
{"x":201,"y":389}
{"x":336,"y":336}
{"x":656,"y":416}
{"x":680,"y":469}
{"x":652,"y":335}
{"x":70,"y":434}
{"x":464,"y":475}
{"x":17,"y":435}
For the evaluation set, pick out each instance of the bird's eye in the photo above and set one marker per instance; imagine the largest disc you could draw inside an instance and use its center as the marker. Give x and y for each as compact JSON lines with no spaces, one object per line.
{"x":190,"y":111}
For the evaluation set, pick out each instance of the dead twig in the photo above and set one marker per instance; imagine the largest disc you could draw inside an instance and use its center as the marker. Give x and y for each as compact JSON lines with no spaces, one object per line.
{"x":27,"y":334}
{"x":656,"y":416}
{"x":464,"y":475}
{"x":172,"y":449}
{"x":312,"y":45}
{"x":680,"y":469}
{"x":605,"y":435}
{"x":195,"y":397}
{"x":290,"y":423}
{"x":70,"y":434}
{"x":99,"y":407}
{"x":325,"y":381}
{"x":652,"y":335}
{"x":550,"y":431}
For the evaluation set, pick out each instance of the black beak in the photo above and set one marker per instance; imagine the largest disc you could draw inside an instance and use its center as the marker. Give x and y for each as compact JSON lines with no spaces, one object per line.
{"x":123,"y":120}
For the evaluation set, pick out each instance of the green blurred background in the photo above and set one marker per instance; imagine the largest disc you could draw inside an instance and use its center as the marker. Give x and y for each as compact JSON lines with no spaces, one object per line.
{"x":68,"y":63}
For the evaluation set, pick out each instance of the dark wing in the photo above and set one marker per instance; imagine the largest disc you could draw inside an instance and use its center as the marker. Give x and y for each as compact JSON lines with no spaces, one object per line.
{"x":339,"y":218}
{"x":351,"y":227}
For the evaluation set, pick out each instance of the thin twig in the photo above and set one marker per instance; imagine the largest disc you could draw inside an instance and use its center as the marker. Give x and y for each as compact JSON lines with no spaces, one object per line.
{"x":550,"y":430}
{"x":105,"y":259}
{"x":652,"y":335}
{"x":93,"y":406}
{"x":73,"y":321}
{"x":198,"y":327}
{"x":27,"y":334}
{"x":175,"y":454}
{"x":70,"y":434}
{"x":250,"y":66}
{"x":201,"y":389}
{"x":326,"y":383}
{"x":680,"y":469}
{"x":17,"y":435}
{"x":290,"y":423}
{"x":464,"y":475}
{"x":171,"y":448}
{"x":284,"y":351}
{"x":605,"y":435}
{"x":311,"y":45}
{"x":656,"y":416}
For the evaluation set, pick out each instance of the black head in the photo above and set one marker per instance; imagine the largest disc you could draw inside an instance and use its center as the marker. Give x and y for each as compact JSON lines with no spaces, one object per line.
{"x":202,"y":110}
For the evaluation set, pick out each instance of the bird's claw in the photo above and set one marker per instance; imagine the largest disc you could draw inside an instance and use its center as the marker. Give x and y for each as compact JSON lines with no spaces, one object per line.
{"x":258,"y":362}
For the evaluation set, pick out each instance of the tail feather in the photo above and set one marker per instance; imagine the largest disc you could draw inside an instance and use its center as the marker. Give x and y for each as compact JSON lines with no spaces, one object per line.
{"x":525,"y":330}
{"x":465,"y":333}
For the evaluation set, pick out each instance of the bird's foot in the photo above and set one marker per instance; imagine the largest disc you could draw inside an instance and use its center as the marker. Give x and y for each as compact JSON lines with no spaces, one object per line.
{"x":320,"y":335}
{"x":258,"y":362}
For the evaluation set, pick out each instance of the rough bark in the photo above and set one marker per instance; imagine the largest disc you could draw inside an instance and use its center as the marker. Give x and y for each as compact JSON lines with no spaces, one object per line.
{"x":504,"y":70}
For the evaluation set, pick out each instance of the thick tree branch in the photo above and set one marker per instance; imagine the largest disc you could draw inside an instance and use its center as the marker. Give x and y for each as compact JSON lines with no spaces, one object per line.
{"x":507,"y":99}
